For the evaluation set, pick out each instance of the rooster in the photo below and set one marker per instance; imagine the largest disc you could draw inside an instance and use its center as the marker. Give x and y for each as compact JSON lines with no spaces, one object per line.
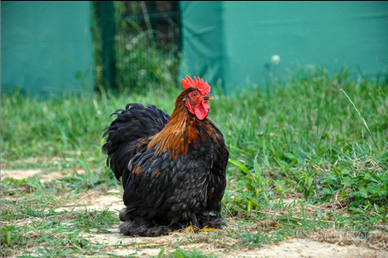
{"x":172,"y":168}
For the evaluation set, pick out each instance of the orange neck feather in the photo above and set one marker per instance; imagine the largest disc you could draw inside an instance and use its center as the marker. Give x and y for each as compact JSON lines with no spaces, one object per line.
{"x":182,"y":129}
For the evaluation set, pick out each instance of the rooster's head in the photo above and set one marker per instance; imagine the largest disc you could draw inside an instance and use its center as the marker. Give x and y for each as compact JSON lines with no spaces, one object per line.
{"x":197,"y":97}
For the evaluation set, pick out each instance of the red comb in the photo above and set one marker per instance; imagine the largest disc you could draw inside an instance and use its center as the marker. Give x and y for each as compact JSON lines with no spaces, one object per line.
{"x":197,"y":83}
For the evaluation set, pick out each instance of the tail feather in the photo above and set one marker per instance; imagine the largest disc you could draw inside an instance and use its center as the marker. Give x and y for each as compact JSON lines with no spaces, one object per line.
{"x":131,"y":126}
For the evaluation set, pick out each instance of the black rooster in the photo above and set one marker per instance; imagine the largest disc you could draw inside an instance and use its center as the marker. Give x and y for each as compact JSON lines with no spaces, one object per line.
{"x":172,"y":168}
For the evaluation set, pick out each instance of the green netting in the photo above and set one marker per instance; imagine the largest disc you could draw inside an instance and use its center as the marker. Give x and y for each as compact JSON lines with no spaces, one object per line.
{"x":46,"y":47}
{"x":145,"y":41}
{"x":235,"y":41}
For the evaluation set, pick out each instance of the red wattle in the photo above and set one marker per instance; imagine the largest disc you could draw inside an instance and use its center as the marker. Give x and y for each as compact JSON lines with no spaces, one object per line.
{"x":201,"y":110}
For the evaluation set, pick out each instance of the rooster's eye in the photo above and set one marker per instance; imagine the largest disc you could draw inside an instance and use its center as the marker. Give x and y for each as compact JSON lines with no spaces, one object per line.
{"x":195,"y":95}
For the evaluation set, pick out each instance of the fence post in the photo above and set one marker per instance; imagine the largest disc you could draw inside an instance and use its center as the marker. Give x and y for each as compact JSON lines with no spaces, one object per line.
{"x":108,"y":44}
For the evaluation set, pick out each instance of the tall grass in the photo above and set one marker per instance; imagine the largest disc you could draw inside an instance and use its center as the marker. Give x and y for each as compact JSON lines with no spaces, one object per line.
{"x":290,"y":129}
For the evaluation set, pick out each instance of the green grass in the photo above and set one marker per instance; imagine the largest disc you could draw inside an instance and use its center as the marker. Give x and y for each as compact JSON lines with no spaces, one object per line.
{"x":306,"y":140}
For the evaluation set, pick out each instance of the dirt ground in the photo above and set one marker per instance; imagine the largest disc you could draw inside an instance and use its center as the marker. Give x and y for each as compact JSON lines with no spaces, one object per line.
{"x":323,"y":244}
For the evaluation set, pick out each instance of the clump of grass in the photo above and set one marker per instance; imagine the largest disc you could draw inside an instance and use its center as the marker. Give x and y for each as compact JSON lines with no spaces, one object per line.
{"x":178,"y":253}
{"x":44,"y":226}
{"x":301,"y":135}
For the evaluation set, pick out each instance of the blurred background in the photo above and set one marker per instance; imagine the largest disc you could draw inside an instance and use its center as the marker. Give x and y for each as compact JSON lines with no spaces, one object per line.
{"x":50,"y":48}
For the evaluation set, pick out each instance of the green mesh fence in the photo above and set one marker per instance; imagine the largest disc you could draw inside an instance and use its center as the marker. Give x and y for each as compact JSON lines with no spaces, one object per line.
{"x":146,"y":39}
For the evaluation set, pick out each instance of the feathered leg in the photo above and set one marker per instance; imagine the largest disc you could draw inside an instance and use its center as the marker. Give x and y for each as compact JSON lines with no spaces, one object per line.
{"x":140,"y":226}
{"x":211,"y":221}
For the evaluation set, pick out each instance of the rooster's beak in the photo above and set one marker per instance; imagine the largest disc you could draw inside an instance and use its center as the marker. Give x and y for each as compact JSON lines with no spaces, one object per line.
{"x":209,"y":97}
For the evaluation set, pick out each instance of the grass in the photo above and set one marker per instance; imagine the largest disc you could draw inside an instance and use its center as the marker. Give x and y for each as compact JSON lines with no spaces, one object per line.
{"x":304,"y":157}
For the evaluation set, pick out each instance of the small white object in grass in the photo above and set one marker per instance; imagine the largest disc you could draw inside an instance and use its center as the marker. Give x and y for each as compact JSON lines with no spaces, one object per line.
{"x":168,"y":62}
{"x":275,"y":59}
{"x":128,"y":46}
{"x":135,"y":40}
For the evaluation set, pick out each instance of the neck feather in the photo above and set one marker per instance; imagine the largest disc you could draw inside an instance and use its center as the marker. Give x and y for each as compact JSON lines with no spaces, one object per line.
{"x":181,"y":130}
